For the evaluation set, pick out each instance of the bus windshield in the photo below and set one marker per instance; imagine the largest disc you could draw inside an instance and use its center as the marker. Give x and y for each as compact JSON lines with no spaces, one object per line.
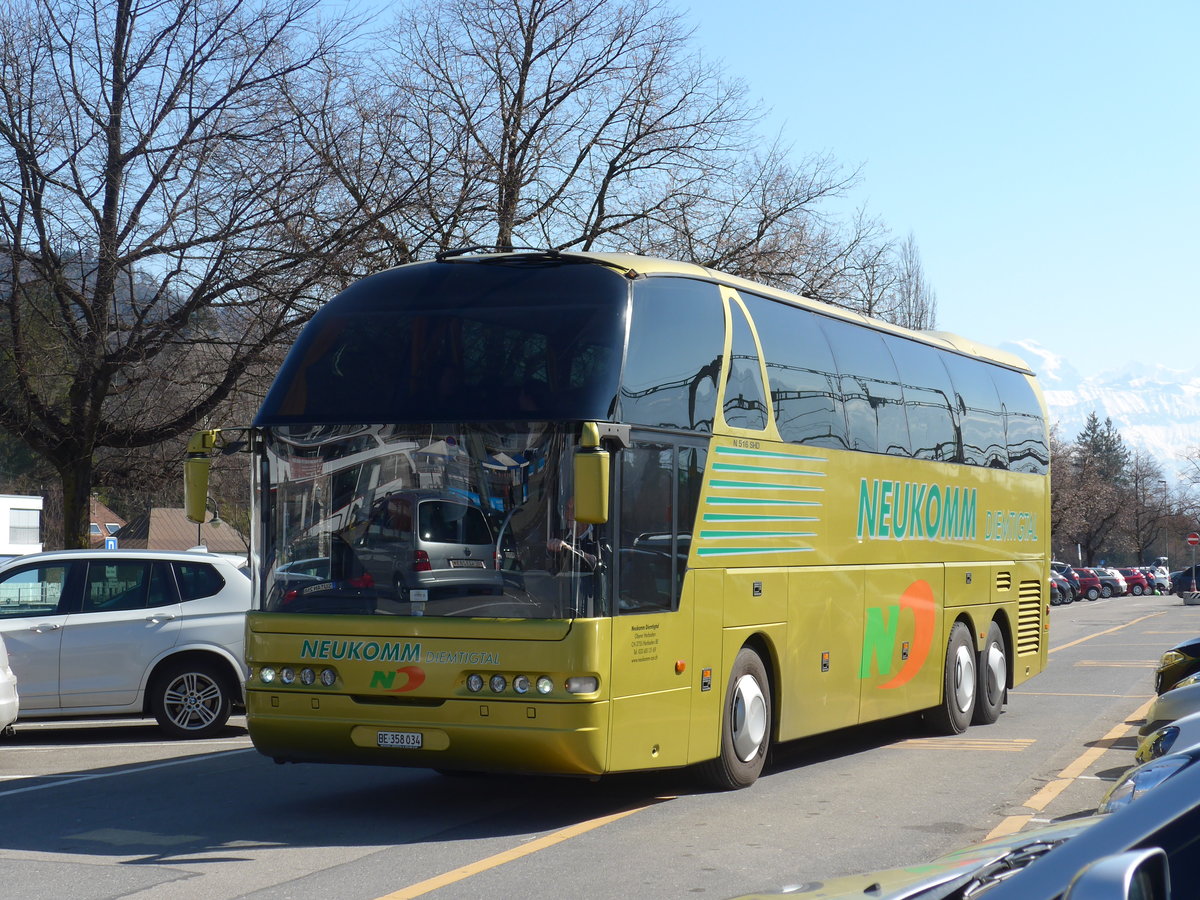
{"x":433,"y":520}
{"x":539,"y":340}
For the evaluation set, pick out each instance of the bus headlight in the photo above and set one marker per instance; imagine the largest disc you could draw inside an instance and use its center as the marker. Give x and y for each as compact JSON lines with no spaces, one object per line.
{"x":474,"y":682}
{"x":266,"y":675}
{"x":308,"y":676}
{"x":328,"y":677}
{"x":287,"y":675}
{"x":521,"y":684}
{"x":545,"y":684}
{"x":498,"y":684}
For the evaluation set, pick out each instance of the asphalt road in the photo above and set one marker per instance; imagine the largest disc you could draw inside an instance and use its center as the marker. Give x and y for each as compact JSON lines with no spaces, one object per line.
{"x":103,"y":810}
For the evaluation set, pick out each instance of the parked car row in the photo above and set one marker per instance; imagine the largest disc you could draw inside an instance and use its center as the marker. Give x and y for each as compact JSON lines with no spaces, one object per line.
{"x":128,"y":632}
{"x":1070,"y":583}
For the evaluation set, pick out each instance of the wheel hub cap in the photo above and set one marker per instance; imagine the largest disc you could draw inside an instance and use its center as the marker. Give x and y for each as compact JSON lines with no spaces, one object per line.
{"x":749,"y":718}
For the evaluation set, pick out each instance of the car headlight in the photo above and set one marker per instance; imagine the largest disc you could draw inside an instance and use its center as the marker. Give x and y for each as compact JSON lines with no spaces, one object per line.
{"x":1139,"y":780}
{"x":1170,"y":658}
{"x":1157,"y":743}
{"x":1186,"y":682}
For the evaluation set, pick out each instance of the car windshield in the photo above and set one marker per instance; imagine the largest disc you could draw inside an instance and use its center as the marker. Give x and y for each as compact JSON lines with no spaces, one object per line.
{"x":433,"y":520}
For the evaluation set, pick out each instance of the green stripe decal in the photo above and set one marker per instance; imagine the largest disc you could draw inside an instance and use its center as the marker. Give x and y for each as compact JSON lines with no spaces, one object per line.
{"x":722,"y":535}
{"x":761,"y":486}
{"x":730,"y":517}
{"x":766,"y":454}
{"x":749,"y":551}
{"x":765,"y":469}
{"x":757,"y":501}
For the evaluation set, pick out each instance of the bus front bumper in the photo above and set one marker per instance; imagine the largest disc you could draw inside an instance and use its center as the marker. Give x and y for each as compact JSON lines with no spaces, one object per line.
{"x":563,"y":738}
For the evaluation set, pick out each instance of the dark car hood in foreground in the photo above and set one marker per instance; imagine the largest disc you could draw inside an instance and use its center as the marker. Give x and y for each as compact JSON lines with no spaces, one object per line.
{"x":934,"y":879}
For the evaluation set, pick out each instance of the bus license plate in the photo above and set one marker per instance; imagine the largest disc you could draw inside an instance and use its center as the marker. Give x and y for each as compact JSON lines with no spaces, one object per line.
{"x":405,"y":740}
{"x":466,"y":564}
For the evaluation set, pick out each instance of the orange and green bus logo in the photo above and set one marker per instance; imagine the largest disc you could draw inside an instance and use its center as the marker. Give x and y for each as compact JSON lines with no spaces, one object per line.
{"x":883,"y":623}
{"x":414,"y":677}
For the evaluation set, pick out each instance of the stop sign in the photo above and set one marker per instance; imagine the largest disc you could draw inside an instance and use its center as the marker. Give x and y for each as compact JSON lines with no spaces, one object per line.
{"x":1193,"y":539}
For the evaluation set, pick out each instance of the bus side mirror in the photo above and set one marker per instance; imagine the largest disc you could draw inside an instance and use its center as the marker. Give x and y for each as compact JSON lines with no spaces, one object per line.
{"x":195,"y":473}
{"x":591,"y":486}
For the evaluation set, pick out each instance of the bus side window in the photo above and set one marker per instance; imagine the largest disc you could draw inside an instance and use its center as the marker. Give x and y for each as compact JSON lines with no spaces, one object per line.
{"x":980,"y":412}
{"x":745,"y":398}
{"x":871,"y":390}
{"x":806,"y":393}
{"x":1024,"y":425}
{"x":674,"y":358}
{"x":660,"y":494}
{"x":928,"y":400}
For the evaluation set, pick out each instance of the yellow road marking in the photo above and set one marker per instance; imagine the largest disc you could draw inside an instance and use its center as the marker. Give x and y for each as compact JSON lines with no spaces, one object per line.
{"x":1120,"y":663}
{"x":1108,"y":631}
{"x":499,"y":859}
{"x":1040,"y":800}
{"x":1179,"y":631}
{"x":1016,"y":745}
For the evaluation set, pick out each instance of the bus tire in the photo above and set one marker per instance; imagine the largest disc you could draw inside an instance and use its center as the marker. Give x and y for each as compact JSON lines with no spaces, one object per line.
{"x":745,"y":725}
{"x":992,"y":687}
{"x":191,"y":699}
{"x":954,"y":713}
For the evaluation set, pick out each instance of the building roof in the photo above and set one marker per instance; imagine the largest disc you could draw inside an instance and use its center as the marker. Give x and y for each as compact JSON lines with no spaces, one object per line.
{"x":169,"y":529}
{"x":101,"y":516}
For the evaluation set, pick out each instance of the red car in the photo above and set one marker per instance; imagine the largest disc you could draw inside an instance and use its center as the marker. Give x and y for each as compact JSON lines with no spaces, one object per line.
{"x":1136,"y":581}
{"x":1089,"y":582}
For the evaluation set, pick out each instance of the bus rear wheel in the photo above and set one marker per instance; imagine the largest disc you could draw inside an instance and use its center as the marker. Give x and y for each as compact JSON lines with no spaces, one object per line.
{"x":959,"y":682}
{"x":745,"y":725}
{"x":993,"y":677}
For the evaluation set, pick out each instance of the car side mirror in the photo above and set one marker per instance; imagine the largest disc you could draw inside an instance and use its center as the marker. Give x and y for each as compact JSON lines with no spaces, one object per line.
{"x":1133,"y":875}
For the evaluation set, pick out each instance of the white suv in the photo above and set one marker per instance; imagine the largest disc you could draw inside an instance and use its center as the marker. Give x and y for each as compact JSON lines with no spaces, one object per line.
{"x":128,"y":632}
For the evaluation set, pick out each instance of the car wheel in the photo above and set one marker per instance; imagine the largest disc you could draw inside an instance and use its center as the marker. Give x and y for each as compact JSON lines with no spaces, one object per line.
{"x":745,"y":725}
{"x":1137,"y":590}
{"x":957,"y":708}
{"x":992,"y":687}
{"x":1106,"y":591}
{"x":191,"y":699}
{"x":1092,"y":593}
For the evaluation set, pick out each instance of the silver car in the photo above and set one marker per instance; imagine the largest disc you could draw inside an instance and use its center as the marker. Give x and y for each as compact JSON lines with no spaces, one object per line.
{"x":426,"y":545}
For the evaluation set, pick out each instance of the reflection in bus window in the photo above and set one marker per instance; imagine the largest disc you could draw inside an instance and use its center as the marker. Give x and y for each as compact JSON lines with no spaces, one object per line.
{"x":1024,"y":425}
{"x":674,"y":355}
{"x":928,"y":400}
{"x":745,"y":399}
{"x":806,"y":394}
{"x":660,"y":494}
{"x":870,"y":389}
{"x":979,"y":412}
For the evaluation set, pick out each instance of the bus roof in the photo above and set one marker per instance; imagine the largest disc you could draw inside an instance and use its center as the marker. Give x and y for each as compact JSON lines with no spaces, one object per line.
{"x":633,"y":265}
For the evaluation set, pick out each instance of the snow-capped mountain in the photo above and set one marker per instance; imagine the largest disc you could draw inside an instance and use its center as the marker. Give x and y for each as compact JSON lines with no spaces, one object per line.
{"x":1156,"y":409}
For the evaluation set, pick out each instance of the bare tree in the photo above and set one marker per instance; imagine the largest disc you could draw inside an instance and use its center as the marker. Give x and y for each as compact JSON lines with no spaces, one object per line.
{"x":555,"y":123}
{"x":916,"y":302}
{"x":162,"y":223}
{"x":1148,"y":509}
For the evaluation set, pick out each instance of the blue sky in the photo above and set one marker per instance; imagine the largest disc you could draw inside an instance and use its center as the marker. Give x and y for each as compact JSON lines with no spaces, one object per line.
{"x":1044,"y":154}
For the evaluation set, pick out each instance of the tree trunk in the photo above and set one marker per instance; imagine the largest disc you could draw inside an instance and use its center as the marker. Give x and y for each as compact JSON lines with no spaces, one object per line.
{"x":76,"y":478}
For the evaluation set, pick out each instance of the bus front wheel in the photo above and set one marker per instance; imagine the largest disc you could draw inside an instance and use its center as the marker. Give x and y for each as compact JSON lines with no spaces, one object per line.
{"x":954,"y":713}
{"x":993,"y":677}
{"x":745,"y":725}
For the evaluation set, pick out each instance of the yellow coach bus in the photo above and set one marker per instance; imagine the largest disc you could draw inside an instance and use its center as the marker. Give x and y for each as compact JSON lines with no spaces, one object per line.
{"x":589,"y":513}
